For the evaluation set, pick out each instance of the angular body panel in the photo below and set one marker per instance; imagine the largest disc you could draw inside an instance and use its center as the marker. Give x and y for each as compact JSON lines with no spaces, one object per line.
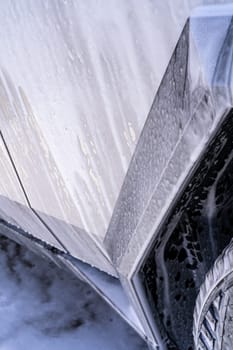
{"x":106,"y":111}
{"x":78,"y":81}
{"x":17,"y":211}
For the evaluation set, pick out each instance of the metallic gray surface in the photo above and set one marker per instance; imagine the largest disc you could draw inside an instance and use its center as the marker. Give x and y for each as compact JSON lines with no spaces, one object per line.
{"x":164,"y":127}
{"x":71,"y":115}
{"x":18,"y":212}
{"x":33,"y":161}
{"x":184,"y":115}
{"x":77,"y":82}
{"x":192,"y":100}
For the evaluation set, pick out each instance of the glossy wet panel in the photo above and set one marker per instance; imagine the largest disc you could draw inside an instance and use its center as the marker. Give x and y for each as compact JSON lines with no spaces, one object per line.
{"x":194,"y":234}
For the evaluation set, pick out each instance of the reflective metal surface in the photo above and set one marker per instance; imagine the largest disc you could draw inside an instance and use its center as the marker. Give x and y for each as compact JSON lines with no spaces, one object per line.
{"x":95,"y":145}
{"x":77,"y":83}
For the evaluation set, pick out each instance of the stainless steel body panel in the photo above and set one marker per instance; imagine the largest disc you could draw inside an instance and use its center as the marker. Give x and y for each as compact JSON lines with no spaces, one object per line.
{"x":102,"y":123}
{"x":78,"y":80}
{"x":13,"y":204}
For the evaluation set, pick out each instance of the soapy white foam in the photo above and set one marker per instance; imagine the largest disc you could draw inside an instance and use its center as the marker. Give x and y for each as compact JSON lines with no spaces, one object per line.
{"x":45,"y":308}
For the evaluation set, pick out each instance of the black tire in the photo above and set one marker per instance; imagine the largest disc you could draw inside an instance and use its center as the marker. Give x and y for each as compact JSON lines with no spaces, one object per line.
{"x":213,"y":314}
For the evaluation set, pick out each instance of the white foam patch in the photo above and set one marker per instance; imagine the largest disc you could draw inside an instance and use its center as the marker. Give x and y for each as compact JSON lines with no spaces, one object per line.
{"x":44,"y":308}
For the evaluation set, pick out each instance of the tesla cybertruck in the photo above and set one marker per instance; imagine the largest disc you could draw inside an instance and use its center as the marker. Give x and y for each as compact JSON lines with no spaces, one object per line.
{"x":116,"y":141}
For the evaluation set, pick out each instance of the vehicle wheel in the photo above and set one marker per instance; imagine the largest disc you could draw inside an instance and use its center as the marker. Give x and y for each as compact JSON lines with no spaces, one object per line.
{"x":213,"y":314}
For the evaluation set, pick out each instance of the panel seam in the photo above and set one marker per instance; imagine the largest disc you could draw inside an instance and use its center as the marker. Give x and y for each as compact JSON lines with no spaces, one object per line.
{"x":26,"y":196}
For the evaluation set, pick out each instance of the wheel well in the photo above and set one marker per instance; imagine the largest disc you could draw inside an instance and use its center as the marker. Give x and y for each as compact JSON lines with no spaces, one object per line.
{"x":196,"y":231}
